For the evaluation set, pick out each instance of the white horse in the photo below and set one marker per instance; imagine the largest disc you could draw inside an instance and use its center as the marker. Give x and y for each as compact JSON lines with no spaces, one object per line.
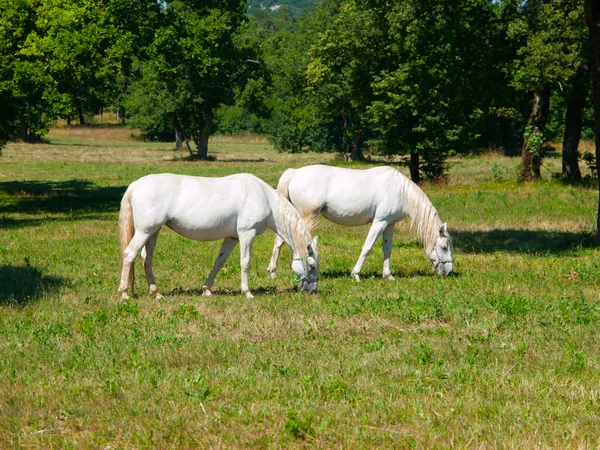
{"x":381,"y":196}
{"x":236,"y":209}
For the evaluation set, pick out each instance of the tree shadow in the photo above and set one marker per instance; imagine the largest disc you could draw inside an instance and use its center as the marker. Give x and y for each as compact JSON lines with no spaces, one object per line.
{"x":213,"y":158}
{"x":20,"y":285}
{"x":522,"y":241}
{"x":78,"y":199}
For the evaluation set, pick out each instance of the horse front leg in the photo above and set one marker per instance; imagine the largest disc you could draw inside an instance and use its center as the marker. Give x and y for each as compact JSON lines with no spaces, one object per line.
{"x":388,"y":233}
{"x":226,"y":249}
{"x":374,"y":233}
{"x":275,"y":256}
{"x":147,"y":255}
{"x":246,"y":241}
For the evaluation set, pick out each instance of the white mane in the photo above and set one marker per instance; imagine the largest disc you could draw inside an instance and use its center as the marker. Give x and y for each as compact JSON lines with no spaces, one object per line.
{"x":421,"y":211}
{"x":290,"y":226}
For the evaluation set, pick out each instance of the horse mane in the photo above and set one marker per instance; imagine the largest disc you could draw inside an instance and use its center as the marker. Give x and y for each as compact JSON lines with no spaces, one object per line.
{"x":290,"y":225}
{"x":421,"y":211}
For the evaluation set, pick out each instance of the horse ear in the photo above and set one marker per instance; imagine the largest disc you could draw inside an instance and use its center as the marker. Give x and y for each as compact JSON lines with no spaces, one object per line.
{"x":444,"y":230}
{"x":314,"y":241}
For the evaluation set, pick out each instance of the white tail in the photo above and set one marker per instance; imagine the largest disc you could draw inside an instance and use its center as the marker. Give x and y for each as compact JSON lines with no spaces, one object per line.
{"x":126,"y":231}
{"x":284,"y":182}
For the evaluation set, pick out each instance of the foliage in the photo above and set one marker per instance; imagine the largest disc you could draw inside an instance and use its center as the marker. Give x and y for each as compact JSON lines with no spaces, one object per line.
{"x":192,"y":63}
{"x":590,"y":161}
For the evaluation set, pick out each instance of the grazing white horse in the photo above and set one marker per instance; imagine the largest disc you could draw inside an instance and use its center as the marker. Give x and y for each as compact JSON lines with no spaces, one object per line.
{"x":381,"y":196}
{"x":236,"y":209}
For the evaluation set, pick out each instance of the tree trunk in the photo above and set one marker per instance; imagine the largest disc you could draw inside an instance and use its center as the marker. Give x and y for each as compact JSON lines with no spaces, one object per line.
{"x":24,"y":130}
{"x":592,"y":17}
{"x":573,"y":119}
{"x":178,"y":140}
{"x":203,"y":139}
{"x":415,"y":169}
{"x":81,"y":117}
{"x":531,"y":152}
{"x":356,"y":153}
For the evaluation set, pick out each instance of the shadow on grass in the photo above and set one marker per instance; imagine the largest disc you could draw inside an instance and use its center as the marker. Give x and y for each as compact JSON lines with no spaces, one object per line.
{"x":522,"y":241}
{"x":20,"y":285}
{"x":212,"y":158}
{"x":376,"y":275}
{"x":271,"y":290}
{"x":78,"y":198}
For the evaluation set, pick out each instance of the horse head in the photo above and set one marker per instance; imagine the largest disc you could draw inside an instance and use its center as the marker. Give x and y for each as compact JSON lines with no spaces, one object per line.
{"x":441,"y":255}
{"x":307,"y":271}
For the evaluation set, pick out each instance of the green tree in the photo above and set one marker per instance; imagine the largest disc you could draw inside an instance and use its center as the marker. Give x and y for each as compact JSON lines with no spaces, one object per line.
{"x":592,"y":17}
{"x":344,"y":61}
{"x":429,"y":98}
{"x":550,"y":40}
{"x":194,"y":63}
{"x":28,"y":93}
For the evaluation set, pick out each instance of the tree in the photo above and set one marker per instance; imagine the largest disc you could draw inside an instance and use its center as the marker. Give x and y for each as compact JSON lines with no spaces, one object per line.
{"x":573,"y":122}
{"x":550,"y":53}
{"x":28,"y":93}
{"x":592,"y":16}
{"x":343,"y":63}
{"x":428,"y":99}
{"x":193,"y":62}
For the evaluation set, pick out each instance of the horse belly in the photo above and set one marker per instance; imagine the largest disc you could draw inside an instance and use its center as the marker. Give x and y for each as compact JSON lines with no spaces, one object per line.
{"x":349,"y":215}
{"x":199,"y":231}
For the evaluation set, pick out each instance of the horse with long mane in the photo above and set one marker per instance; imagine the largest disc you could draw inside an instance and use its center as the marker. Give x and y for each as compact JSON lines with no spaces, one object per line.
{"x":236,"y":208}
{"x":381,"y":196}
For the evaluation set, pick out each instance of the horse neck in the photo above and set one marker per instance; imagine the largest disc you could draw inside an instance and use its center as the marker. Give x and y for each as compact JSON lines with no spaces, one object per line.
{"x":421,"y":212}
{"x":290,"y":227}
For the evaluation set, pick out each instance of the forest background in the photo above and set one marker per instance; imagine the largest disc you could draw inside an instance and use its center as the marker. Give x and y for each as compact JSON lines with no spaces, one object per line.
{"x":421,"y":79}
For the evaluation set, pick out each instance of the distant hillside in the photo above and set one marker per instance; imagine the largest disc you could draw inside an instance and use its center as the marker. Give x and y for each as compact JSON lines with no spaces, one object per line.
{"x":296,"y":6}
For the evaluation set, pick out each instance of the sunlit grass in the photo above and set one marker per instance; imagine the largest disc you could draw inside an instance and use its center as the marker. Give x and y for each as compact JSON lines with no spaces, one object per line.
{"x":505,"y":354}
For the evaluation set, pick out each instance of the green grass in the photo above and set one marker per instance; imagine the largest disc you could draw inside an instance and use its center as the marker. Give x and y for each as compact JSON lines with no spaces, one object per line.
{"x":506,"y":354}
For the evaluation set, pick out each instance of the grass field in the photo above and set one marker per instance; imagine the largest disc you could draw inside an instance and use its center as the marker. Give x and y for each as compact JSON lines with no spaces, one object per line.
{"x":504,"y":355}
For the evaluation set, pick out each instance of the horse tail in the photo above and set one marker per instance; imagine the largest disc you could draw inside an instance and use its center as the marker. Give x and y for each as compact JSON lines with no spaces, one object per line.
{"x":126,"y":231}
{"x":284,"y":183}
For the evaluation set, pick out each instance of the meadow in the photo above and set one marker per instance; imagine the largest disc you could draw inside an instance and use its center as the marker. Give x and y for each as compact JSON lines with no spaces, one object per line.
{"x":505,"y":354}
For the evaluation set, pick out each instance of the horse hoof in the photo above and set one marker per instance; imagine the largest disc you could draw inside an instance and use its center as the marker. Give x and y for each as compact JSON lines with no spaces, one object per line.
{"x":356,"y":276}
{"x":206,"y":293}
{"x":124,"y":296}
{"x":158,"y":296}
{"x":272,"y":274}
{"x":249,"y":295}
{"x":389,"y":277}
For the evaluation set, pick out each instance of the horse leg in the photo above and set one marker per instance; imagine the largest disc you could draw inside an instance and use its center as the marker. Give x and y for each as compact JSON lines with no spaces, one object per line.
{"x":275,"y":256}
{"x":137,"y":242}
{"x":147,"y":255}
{"x":374,"y":233}
{"x":387,"y":251}
{"x":226,"y":248}
{"x":246,"y":241}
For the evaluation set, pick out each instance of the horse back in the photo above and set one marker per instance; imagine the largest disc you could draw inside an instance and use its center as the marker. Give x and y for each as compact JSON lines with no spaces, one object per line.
{"x":200,"y":208}
{"x":345,"y":196}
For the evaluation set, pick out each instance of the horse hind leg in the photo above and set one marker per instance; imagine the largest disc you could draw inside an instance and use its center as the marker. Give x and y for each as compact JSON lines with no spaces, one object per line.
{"x":137,"y":243}
{"x":147,"y":255}
{"x":226,"y":249}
